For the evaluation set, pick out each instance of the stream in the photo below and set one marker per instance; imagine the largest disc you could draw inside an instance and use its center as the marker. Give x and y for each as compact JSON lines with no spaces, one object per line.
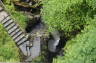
{"x":35,"y":27}
{"x":52,"y":41}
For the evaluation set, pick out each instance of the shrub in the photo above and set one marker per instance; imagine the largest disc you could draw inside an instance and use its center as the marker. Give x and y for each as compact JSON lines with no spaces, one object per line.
{"x":81,"y":49}
{"x":68,"y":16}
{"x":71,"y":17}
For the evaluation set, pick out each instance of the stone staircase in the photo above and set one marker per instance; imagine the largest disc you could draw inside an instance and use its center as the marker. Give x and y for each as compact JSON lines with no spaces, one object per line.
{"x":28,"y":47}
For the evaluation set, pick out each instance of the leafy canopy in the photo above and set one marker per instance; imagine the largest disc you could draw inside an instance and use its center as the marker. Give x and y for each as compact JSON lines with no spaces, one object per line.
{"x":69,"y":16}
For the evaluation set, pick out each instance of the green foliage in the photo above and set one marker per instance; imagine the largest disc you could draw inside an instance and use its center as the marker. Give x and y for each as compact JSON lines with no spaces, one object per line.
{"x":68,"y":16}
{"x":20,"y":18}
{"x":9,"y":53}
{"x":72,"y":16}
{"x":81,"y":49}
{"x":8,"y":50}
{"x":92,"y":3}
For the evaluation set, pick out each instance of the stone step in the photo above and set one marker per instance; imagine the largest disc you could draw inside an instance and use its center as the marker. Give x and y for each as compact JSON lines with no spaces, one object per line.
{"x":5,"y":19}
{"x":11,"y":26}
{"x":19,"y":38}
{"x":22,"y":41}
{"x":8,"y":23}
{"x":1,"y":9}
{"x":12,"y":29}
{"x":15,"y":32}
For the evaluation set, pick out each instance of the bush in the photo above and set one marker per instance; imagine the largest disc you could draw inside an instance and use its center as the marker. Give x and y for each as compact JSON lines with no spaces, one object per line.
{"x":68,"y":16}
{"x":71,"y":17}
{"x":81,"y":49}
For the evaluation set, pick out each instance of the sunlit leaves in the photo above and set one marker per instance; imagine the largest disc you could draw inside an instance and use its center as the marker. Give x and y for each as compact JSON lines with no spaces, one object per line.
{"x":81,"y":49}
{"x":68,"y":16}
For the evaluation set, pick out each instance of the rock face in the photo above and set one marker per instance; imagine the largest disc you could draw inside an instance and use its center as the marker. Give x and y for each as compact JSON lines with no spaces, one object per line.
{"x":53,"y":43}
{"x":41,"y":30}
{"x":36,"y":48}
